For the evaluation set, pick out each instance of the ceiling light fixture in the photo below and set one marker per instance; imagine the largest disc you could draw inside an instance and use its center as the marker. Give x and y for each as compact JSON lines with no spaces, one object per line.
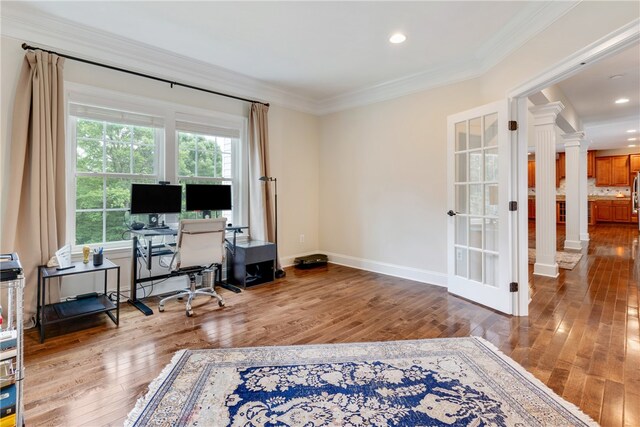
{"x":632,"y":131}
{"x":631,"y":145}
{"x":615,"y":76}
{"x":631,"y":139}
{"x":397,"y":38}
{"x":622,"y":100}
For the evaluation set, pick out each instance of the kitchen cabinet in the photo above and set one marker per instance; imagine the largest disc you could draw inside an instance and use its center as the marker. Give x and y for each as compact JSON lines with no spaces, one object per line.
{"x":531,"y":173}
{"x":621,"y":210}
{"x":612,"y":171}
{"x":620,"y":171}
{"x":603,"y":171}
{"x":634,"y":162}
{"x":591,"y":163}
{"x":613,"y":210}
{"x":531,"y":208}
{"x":561,"y":165}
{"x":561,"y":212}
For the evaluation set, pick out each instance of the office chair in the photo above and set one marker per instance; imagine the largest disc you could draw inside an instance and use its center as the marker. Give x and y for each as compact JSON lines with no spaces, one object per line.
{"x":200,"y":247}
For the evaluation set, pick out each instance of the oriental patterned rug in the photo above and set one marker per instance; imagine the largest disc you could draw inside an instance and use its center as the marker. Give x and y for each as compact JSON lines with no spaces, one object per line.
{"x":565,"y":260}
{"x":437,"y":382}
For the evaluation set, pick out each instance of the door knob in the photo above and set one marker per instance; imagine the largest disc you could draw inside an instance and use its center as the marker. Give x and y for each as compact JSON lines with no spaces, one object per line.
{"x":451,"y":213}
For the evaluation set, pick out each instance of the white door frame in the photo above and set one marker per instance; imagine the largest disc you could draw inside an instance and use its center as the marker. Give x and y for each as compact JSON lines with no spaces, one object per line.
{"x":608,"y":45}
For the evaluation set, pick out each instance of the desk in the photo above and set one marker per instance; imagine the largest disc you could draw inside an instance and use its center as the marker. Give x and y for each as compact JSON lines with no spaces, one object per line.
{"x":149,"y":251}
{"x":80,"y":307}
{"x":251,"y":263}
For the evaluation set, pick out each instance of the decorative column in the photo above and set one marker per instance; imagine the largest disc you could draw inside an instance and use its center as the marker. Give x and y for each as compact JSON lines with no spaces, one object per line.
{"x":545,"y":142}
{"x":572,"y":199}
{"x":584,"y":194}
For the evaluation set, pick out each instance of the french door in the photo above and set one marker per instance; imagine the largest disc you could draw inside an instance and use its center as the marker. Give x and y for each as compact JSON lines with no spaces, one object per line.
{"x":479,"y":266}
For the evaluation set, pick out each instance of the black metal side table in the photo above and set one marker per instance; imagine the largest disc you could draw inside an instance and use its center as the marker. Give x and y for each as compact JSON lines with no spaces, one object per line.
{"x":80,"y":307}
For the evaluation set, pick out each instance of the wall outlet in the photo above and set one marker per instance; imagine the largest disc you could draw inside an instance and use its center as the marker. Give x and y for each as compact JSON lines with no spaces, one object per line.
{"x":302,"y":238}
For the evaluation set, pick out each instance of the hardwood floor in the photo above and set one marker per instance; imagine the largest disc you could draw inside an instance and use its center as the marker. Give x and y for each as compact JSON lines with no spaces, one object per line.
{"x":581,"y":337}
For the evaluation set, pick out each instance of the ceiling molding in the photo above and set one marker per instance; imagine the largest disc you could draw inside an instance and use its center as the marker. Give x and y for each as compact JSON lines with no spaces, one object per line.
{"x":66,"y":37}
{"x":63,"y":36}
{"x":535,"y":18}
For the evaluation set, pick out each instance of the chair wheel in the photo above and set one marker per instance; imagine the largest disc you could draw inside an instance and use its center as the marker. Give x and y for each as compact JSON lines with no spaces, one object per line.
{"x":220,"y":303}
{"x":189,"y":313}
{"x":161,"y":308}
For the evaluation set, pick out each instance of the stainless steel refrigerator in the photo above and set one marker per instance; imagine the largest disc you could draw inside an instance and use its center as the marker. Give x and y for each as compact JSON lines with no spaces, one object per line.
{"x":635,"y":196}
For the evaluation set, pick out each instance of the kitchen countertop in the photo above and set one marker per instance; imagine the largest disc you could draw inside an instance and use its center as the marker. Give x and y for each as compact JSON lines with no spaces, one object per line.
{"x":593,"y":198}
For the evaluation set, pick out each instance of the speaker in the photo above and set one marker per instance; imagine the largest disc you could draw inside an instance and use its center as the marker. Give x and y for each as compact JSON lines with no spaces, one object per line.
{"x":153,"y":220}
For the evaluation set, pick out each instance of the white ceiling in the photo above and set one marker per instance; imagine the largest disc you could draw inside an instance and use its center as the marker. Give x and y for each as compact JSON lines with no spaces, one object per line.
{"x":322,"y":56}
{"x":592,"y":93}
{"x":319,"y":51}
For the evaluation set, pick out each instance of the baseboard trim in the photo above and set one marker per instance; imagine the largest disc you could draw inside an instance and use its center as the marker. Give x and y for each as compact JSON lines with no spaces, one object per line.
{"x":419,"y":275}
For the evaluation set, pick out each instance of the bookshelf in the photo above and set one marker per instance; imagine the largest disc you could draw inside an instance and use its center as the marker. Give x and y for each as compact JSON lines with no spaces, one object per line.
{"x":11,"y":342}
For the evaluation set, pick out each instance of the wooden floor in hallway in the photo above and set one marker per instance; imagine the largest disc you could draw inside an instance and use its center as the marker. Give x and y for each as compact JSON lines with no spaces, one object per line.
{"x":581,"y":337}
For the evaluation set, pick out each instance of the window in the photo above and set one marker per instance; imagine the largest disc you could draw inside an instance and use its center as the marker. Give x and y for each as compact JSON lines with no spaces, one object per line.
{"x":205,"y":156}
{"x":112,"y":147}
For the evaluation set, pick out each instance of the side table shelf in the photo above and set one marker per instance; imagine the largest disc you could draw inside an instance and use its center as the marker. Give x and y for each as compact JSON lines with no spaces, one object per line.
{"x":82,"y":305}
{"x":11,"y":341}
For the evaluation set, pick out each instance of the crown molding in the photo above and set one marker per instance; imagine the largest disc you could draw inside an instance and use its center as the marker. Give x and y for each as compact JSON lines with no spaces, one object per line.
{"x":66,"y":37}
{"x":528,"y":23}
{"x":534,"y":19}
{"x":73,"y":39}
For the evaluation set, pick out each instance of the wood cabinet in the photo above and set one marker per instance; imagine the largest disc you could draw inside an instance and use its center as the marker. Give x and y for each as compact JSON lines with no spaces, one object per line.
{"x":591,"y":163}
{"x":531,"y":208}
{"x":634,"y":163}
{"x":603,"y":171}
{"x":531,"y":173}
{"x":620,"y":171}
{"x":612,"y":171}
{"x":561,"y":211}
{"x":561,"y":165}
{"x":621,"y":211}
{"x":613,"y":210}
{"x":603,"y":210}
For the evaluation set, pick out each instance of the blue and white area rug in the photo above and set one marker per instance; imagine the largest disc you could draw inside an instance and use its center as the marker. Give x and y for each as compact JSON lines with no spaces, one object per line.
{"x":437,"y":382}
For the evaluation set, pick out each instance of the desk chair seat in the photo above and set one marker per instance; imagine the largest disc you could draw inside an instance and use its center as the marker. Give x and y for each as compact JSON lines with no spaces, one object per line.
{"x":199,"y":249}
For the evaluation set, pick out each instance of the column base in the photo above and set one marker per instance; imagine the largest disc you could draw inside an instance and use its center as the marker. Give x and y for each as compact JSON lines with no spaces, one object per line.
{"x":584,"y":237}
{"x":573,"y":245}
{"x":548,"y":270}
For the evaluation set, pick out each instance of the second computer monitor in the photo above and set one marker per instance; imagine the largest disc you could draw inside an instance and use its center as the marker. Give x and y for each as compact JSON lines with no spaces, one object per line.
{"x":208,"y":197}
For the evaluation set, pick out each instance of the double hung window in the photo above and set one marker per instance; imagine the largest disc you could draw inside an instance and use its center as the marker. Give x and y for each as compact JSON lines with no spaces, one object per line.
{"x":113,"y":145}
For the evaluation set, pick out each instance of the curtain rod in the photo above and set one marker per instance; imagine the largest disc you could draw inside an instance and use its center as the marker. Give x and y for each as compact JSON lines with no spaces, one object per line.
{"x":135,"y":73}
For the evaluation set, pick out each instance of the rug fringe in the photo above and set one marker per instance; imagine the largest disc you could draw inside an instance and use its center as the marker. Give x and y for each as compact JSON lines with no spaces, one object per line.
{"x":574,"y":409}
{"x":152,"y":389}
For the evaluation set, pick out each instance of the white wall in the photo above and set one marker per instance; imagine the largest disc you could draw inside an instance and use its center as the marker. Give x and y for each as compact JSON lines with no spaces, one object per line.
{"x":294,"y":144}
{"x":383,"y":194}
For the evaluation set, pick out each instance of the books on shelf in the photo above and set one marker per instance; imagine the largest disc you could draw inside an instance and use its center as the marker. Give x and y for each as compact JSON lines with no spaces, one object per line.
{"x":8,"y":339}
{"x":8,"y":421}
{"x":8,"y":354}
{"x":8,"y":401}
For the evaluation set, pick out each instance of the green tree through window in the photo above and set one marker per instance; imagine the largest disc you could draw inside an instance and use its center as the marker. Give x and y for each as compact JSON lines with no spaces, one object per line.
{"x":109,"y":157}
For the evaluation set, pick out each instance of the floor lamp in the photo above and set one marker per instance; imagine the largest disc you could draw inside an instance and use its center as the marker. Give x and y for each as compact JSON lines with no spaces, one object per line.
{"x":279,"y":272}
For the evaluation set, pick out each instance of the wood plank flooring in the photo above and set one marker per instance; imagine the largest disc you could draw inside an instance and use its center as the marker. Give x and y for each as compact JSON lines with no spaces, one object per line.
{"x":582,"y":336}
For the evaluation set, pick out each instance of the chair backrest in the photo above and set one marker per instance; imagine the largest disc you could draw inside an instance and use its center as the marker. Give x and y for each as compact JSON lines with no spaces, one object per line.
{"x":200,"y":242}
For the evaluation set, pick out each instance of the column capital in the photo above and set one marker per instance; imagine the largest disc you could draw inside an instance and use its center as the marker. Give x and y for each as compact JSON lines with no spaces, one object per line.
{"x":573,"y":139}
{"x":546,"y":114}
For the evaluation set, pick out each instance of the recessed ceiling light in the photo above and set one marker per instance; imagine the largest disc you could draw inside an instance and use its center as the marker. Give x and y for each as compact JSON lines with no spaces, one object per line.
{"x":631,"y":139}
{"x":622,"y":100}
{"x":632,"y":131}
{"x":631,"y":145}
{"x":616,"y":76}
{"x":397,"y":38}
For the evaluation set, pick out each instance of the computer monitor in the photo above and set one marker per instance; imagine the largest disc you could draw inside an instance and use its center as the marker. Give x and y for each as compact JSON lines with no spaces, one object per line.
{"x":156,"y":199}
{"x":208,"y":197}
